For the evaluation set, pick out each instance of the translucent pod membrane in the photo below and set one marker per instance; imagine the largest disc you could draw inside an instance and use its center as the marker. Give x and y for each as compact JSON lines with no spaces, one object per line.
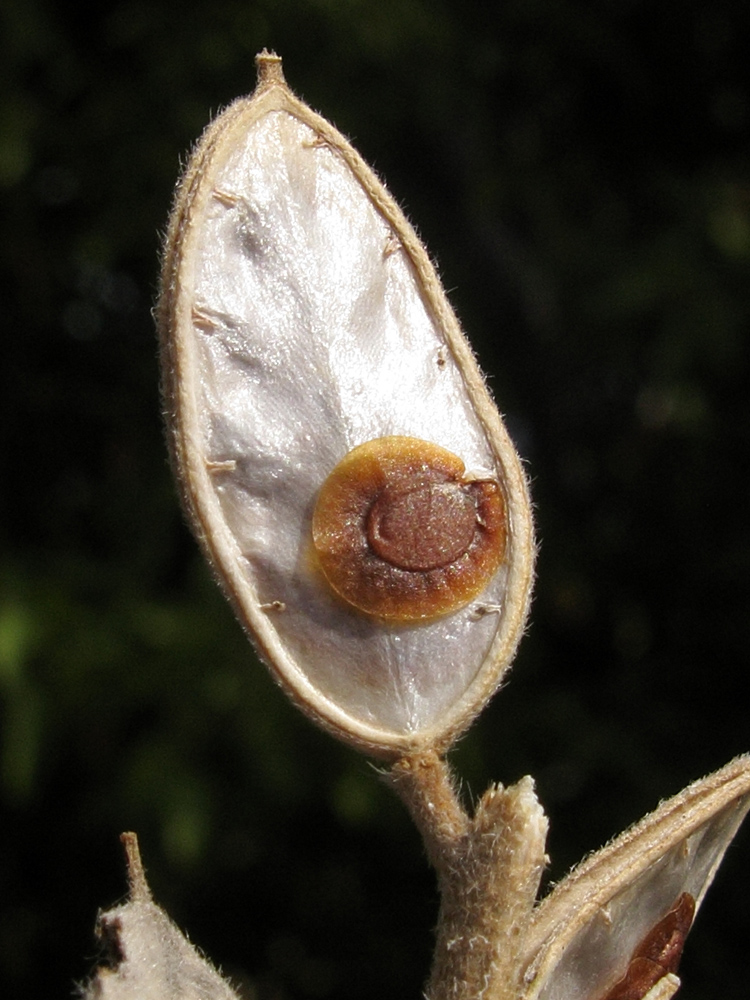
{"x":301,"y":318}
{"x":614,"y":928}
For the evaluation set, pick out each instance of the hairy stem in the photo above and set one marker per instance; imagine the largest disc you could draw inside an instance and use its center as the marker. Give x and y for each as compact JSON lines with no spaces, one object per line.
{"x":488,"y":869}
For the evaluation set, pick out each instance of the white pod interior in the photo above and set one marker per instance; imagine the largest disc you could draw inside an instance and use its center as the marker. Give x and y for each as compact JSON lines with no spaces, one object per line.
{"x":301,"y":317}
{"x":584,"y":932}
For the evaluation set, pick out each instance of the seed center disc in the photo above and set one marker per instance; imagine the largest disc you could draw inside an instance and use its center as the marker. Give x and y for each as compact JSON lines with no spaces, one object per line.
{"x":422,"y":527}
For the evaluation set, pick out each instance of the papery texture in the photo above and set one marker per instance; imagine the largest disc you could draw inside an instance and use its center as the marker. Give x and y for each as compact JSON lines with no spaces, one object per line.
{"x":156,"y":962}
{"x":584,"y":934}
{"x":148,"y":957}
{"x":301,"y":317}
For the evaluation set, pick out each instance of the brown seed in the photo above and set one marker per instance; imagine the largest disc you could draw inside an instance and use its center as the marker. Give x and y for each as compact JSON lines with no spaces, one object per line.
{"x":665,"y":942}
{"x":422,"y":527}
{"x":657,"y":954}
{"x":401,"y":534}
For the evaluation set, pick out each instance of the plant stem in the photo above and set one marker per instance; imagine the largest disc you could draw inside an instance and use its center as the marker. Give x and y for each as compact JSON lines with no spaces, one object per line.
{"x":488,"y":867}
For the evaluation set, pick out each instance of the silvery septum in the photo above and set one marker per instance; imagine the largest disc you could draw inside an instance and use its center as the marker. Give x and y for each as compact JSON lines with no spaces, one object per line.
{"x":583,"y":935}
{"x":300,"y":319}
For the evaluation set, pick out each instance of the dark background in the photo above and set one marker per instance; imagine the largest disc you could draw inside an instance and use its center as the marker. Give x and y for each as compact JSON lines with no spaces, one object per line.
{"x":580,"y":172}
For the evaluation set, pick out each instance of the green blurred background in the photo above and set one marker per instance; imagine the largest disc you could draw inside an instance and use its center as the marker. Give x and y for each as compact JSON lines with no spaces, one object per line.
{"x":580,"y":171}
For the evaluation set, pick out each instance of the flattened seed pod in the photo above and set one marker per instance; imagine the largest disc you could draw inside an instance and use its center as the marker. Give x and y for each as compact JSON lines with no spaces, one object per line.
{"x":301,"y":320}
{"x":614,"y":928}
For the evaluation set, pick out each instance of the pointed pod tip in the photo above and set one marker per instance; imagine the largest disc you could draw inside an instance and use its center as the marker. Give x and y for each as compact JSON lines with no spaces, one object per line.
{"x":139,"y":890}
{"x":269,"y":69}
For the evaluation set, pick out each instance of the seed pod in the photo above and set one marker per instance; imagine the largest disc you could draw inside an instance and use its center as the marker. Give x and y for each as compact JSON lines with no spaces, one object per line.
{"x":613,"y":929}
{"x":146,"y":956}
{"x":301,"y":319}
